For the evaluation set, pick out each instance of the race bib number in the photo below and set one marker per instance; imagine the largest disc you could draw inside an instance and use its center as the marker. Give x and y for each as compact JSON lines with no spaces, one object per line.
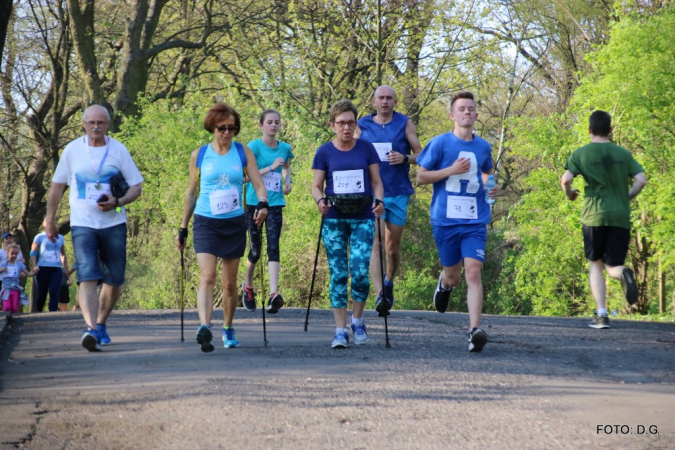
{"x":348,"y":182}
{"x":93,"y":193}
{"x":224,"y":201}
{"x":383,"y":149}
{"x":52,"y":256}
{"x":272,"y":181}
{"x":462,"y":208}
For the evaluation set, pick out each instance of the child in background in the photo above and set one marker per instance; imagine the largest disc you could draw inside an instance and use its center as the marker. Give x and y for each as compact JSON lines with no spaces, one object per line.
{"x":12,"y":292}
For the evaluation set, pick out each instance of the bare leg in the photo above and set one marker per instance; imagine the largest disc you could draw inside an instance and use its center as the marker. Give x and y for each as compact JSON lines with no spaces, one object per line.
{"x":63,"y":306}
{"x":598,"y":285}
{"x":229,"y":283}
{"x":88,"y":297}
{"x":250,"y":273}
{"x":107,"y":300}
{"x":375,"y":271}
{"x":614,"y":271}
{"x":357,"y":310}
{"x":393,"y":239}
{"x":274,"y":268}
{"x":474,"y":297}
{"x":340,"y":315}
{"x":207,"y":280}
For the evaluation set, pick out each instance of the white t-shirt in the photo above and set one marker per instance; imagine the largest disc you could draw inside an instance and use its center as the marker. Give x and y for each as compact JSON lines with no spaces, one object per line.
{"x":77,"y":169}
{"x":3,"y":260}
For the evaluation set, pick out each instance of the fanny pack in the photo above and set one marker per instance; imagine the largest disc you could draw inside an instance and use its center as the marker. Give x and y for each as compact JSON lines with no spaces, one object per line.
{"x":349,"y":203}
{"x":118,"y":185}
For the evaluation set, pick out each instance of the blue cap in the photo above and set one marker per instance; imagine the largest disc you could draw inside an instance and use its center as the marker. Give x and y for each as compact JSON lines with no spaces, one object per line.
{"x":7,"y":234}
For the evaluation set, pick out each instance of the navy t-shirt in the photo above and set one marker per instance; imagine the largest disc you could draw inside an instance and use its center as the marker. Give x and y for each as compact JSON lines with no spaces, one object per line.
{"x":347,"y":173}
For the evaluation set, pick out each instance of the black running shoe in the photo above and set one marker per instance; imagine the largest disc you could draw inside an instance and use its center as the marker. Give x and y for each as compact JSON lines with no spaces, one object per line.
{"x":275,"y":303}
{"x":441,"y":296}
{"x":247,"y":297}
{"x":599,"y":322}
{"x":629,"y":285}
{"x":477,"y":340}
{"x":382,"y":304}
{"x":204,"y":338}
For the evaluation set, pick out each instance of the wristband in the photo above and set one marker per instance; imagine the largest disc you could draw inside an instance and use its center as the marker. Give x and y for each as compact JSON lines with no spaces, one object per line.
{"x":405,"y":159}
{"x":270,"y":168}
{"x":182,"y":235}
{"x":321,"y":199}
{"x":262,"y":205}
{"x":33,"y":253}
{"x":378,"y":201}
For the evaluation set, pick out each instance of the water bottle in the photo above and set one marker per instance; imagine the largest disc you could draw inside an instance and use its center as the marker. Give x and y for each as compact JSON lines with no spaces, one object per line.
{"x":488,"y":186}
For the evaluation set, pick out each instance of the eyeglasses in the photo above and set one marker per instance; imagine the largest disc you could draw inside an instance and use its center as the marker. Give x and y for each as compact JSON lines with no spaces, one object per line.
{"x":347,"y":124}
{"x":97,"y":123}
{"x":226,"y":128}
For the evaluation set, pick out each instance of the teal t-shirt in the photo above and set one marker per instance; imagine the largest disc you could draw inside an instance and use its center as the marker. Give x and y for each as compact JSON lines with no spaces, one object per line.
{"x":274,"y":182}
{"x":607,"y":169}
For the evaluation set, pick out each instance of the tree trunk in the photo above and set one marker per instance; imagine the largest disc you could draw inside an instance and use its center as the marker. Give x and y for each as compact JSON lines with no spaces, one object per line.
{"x":5,"y":14}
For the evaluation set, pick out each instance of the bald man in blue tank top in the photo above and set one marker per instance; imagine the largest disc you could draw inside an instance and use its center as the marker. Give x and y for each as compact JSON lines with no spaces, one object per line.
{"x":395,"y":139}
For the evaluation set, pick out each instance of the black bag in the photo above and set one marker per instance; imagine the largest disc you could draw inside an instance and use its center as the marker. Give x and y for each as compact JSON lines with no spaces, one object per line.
{"x":350,"y":203}
{"x":118,"y":185}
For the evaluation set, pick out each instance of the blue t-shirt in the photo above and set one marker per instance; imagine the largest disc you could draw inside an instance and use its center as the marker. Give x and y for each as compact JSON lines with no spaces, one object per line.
{"x":49,"y":253}
{"x":441,"y":152}
{"x":396,"y":178}
{"x":220,"y":185}
{"x":350,"y":170}
{"x":13,"y":274}
{"x":274,"y":182}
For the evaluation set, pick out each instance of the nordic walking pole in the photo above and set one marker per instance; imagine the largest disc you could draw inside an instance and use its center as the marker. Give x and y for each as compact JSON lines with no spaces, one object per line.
{"x":182,"y":294}
{"x":262,"y":286}
{"x":316,"y":260}
{"x":386,"y":313}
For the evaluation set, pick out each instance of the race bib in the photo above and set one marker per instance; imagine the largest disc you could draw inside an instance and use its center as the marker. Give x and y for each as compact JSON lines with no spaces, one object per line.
{"x":92,"y":193}
{"x":52,"y":256}
{"x":224,"y":201}
{"x":462,"y":208}
{"x":272,"y":181}
{"x":383,"y":149}
{"x":348,"y":182}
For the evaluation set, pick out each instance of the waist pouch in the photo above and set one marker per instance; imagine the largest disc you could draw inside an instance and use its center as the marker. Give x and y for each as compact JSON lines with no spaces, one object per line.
{"x":349,"y":203}
{"x":118,"y":185}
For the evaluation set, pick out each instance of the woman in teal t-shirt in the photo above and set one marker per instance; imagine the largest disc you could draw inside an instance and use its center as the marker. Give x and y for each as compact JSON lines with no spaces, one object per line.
{"x":274,"y":164}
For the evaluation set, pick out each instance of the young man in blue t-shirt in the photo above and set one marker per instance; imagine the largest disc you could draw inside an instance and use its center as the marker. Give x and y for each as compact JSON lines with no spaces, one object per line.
{"x":458,"y":164}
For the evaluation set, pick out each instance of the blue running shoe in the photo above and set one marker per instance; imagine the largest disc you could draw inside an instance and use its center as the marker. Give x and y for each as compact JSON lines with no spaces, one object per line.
{"x":91,"y":340}
{"x":360,"y":333}
{"x":341,"y":340}
{"x":103,"y":331}
{"x":230,"y":338}
{"x":204,"y":338}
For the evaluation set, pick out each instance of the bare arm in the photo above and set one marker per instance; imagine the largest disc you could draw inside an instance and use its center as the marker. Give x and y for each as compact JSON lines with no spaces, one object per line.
{"x":639,"y":182}
{"x":317,"y":191}
{"x":378,"y":189}
{"x":33,"y":259}
{"x":413,"y":140}
{"x":461,"y":165}
{"x":566,"y":184}
{"x":286,"y":175}
{"x":258,"y":185}
{"x":190,"y":198}
{"x":53,"y":199}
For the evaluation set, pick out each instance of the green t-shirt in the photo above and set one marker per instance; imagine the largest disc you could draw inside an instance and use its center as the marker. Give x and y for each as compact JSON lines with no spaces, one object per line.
{"x":607,"y":169}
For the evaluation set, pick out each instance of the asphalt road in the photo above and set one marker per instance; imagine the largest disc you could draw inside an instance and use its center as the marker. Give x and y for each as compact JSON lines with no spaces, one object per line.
{"x":541,"y":383}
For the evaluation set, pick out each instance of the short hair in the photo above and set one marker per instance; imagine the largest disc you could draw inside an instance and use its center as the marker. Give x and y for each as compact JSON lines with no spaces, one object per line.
{"x":14,"y":246}
{"x":600,"y":123}
{"x":218,"y":113}
{"x":88,"y":108}
{"x":461,"y":94}
{"x":264,"y":114}
{"x":385,"y":86}
{"x":343,"y":106}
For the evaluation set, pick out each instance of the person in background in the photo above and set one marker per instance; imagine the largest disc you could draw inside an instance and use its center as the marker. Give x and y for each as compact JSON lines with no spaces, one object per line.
{"x":12,"y":294}
{"x":50,"y":263}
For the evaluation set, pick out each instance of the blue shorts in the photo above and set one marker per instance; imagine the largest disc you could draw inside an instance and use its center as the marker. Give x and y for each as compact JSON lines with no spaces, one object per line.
{"x":396,"y":209}
{"x":101,"y":255}
{"x":456,"y":242}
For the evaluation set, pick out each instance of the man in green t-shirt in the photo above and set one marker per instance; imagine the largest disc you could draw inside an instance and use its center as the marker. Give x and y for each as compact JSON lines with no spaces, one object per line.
{"x":605,"y":215}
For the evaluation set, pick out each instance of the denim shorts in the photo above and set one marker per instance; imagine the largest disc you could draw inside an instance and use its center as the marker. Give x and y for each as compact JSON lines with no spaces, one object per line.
{"x":101,"y":254}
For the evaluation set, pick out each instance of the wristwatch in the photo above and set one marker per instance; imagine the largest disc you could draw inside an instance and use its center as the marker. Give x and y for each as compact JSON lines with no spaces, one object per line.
{"x":405,"y":159}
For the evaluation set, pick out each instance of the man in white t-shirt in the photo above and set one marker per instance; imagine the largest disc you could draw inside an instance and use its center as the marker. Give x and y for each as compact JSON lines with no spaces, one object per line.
{"x":97,"y":218}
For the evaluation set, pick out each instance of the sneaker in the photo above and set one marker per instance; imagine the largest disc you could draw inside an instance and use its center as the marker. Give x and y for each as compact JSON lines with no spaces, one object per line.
{"x":360,"y":334}
{"x":599,"y":322}
{"x":91,"y":340}
{"x":230,"y":338}
{"x":382,"y":305}
{"x":247,"y":297}
{"x":341,"y":340}
{"x":442,"y":296}
{"x":204,"y":338}
{"x":103,"y":331}
{"x":275,"y":303}
{"x":629,"y":285}
{"x":477,"y":340}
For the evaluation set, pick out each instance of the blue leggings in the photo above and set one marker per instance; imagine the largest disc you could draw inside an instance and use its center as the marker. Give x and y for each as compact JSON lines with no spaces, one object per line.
{"x":337,"y":235}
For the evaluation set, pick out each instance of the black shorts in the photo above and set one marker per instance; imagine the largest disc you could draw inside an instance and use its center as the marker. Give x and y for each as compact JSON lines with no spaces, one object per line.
{"x":223,"y":238}
{"x":64,"y":293}
{"x":609,"y":244}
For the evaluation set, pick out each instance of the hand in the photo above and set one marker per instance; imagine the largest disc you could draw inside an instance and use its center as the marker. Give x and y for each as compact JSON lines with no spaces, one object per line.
{"x":378,"y":208}
{"x":494,"y":192}
{"x":259,"y":216}
{"x":462,"y":165}
{"x":107,"y":205}
{"x":181,"y":239}
{"x":70,"y":280}
{"x":395,"y":158}
{"x":287,"y":187}
{"x":572,"y":194}
{"x":323,"y":206}
{"x":36,"y":269}
{"x":277,"y":162}
{"x":51,"y":230}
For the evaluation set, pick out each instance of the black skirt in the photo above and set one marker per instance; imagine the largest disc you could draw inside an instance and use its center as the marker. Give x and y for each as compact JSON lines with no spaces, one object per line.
{"x":223,"y":238}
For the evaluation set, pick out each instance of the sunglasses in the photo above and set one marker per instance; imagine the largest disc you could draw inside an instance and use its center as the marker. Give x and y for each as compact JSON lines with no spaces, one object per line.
{"x":226,"y":128}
